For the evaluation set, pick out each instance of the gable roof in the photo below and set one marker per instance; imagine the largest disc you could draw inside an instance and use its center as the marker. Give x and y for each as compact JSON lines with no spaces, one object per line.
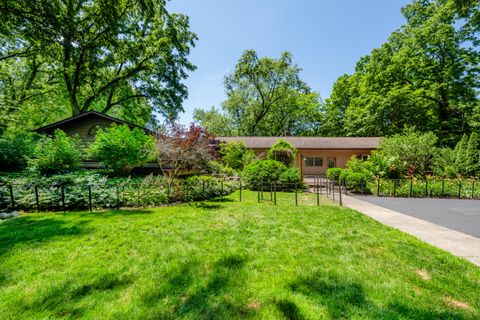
{"x":60,"y":123}
{"x":309,"y":142}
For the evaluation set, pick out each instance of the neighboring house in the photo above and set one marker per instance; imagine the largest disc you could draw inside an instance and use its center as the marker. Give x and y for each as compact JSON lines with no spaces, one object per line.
{"x":315,"y":154}
{"x":85,"y":125}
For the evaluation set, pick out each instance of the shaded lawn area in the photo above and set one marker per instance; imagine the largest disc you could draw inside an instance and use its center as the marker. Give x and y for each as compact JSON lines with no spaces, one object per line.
{"x":223,"y":260}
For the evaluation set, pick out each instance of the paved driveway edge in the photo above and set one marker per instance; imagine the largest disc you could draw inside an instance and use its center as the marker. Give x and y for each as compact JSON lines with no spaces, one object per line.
{"x":455,"y":242}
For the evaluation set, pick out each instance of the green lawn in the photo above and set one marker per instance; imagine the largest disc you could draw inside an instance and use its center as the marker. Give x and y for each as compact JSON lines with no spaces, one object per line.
{"x":225,"y":259}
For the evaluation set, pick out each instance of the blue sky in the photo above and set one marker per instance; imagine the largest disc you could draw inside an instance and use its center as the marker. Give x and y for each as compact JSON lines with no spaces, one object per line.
{"x":326,"y":38}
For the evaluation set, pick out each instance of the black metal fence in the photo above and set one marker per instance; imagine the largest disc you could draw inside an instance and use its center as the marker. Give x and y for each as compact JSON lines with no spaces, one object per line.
{"x":63,"y":197}
{"x":434,"y":187}
{"x":85,"y":196}
{"x":295,"y":193}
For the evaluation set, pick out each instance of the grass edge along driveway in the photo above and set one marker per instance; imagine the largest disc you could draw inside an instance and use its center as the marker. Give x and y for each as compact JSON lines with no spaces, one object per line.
{"x":223,"y":259}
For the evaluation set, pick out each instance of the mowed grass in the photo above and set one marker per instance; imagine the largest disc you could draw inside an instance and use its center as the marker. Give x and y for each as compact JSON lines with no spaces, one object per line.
{"x":227,"y":260}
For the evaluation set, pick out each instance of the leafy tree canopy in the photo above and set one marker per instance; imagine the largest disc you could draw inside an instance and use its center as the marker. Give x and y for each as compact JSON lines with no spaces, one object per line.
{"x":125,"y":57}
{"x":426,"y":75}
{"x":265,"y":97}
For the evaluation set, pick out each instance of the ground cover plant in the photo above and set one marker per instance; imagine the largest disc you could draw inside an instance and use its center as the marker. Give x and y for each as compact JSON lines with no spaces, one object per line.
{"x":84,"y":188}
{"x":226,"y":259}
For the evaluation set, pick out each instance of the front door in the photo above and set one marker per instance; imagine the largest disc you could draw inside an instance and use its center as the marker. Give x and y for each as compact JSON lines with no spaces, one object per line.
{"x":332,"y":162}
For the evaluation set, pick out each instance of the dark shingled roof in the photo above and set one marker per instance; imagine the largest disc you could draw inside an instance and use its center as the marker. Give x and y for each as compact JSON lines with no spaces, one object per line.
{"x":91,"y":113}
{"x":309,"y":142}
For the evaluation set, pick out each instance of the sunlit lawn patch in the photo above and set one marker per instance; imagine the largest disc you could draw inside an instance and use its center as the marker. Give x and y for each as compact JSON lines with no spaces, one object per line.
{"x":226,"y":259}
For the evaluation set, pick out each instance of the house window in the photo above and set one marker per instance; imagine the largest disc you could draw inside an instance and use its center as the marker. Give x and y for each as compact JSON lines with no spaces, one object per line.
{"x":332,"y":162}
{"x":313,"y":162}
{"x":363,"y":157}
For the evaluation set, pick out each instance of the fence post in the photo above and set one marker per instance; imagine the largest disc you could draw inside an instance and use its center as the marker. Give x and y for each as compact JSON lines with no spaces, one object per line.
{"x":271,"y":189}
{"x":240,"y":190}
{"x":378,"y":186}
{"x":460,"y":189}
{"x":473,"y":188}
{"x":258,"y":193}
{"x":168,"y":191}
{"x":296,"y":196}
{"x":426,"y":186}
{"x":221,"y":189}
{"x":394,"y":188}
{"x":12,"y":198}
{"x":36,"y":199}
{"x":340,"y":195}
{"x":275,"y":193}
{"x":90,"y":198}
{"x":118,"y":197}
{"x":62,"y":189}
{"x":318,"y":194}
{"x":411,"y":186}
{"x":332,"y":188}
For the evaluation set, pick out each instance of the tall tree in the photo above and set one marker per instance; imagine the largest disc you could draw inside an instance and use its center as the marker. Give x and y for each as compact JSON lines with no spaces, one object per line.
{"x":216,"y":121}
{"x":472,"y":165}
{"x":426,"y":75}
{"x":102,"y":54}
{"x":266,"y":96}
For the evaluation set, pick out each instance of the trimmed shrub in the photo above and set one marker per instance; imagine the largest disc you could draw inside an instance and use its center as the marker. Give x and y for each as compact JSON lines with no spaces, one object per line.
{"x":290,"y":176}
{"x":334,"y":173}
{"x":263,"y":171}
{"x":355,"y":180}
{"x":282,"y":151}
{"x":122,"y":149}
{"x":60,"y":153}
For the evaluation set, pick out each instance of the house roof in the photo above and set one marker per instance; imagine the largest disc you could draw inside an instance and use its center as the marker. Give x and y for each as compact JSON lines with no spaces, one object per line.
{"x":309,"y":142}
{"x":60,"y":123}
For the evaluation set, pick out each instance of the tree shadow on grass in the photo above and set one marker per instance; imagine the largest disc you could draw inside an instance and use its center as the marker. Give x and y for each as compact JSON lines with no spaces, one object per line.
{"x":346,"y":299}
{"x":221,"y":200}
{"x":202,"y":299}
{"x":27,"y":230}
{"x":207,"y":206}
{"x":63,"y":300}
{"x":114,"y":213}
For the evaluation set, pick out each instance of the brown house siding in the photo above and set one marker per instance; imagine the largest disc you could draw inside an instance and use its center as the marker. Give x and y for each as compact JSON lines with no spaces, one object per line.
{"x":84,"y":128}
{"x":339,"y":148}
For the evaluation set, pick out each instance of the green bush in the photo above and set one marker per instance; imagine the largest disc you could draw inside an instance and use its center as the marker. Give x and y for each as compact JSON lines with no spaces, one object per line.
{"x":235,"y":155}
{"x":355,"y":181}
{"x":282,"y":151}
{"x":216,"y":167}
{"x":263,"y":171}
{"x":59,"y":153}
{"x":290,"y":176}
{"x":122,"y":149}
{"x":106,"y":192}
{"x":334,"y":173}
{"x":15,"y":149}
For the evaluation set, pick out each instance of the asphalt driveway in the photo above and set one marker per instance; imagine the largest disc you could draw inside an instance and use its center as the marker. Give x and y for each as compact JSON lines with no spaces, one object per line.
{"x":460,"y":215}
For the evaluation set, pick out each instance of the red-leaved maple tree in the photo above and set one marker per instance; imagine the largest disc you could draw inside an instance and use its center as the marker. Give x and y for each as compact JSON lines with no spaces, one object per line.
{"x":181,"y":149}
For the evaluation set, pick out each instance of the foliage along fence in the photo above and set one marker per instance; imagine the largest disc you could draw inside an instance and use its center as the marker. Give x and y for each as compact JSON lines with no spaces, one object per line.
{"x":295,"y":193}
{"x":63,"y":197}
{"x":430,"y":187}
